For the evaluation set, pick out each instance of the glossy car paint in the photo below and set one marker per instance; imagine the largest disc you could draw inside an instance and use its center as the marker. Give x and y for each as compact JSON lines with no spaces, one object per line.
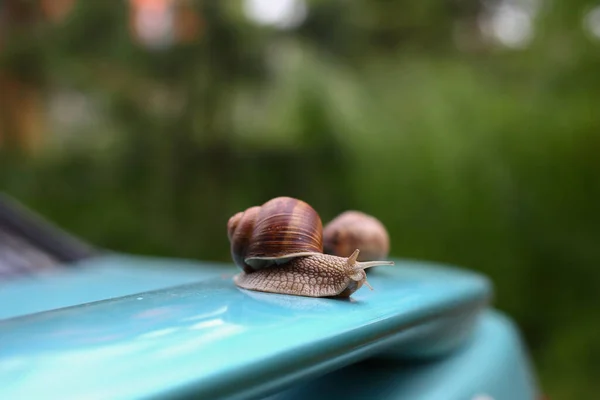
{"x":492,"y":364}
{"x":213,"y":340}
{"x":97,"y":279}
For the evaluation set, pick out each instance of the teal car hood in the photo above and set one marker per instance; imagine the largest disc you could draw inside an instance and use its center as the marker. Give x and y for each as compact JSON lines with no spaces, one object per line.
{"x":108,"y":333}
{"x":99,"y":278}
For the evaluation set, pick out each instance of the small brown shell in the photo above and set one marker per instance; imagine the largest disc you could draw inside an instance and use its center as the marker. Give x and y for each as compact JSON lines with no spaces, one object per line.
{"x":356,"y":230}
{"x":274,"y":233}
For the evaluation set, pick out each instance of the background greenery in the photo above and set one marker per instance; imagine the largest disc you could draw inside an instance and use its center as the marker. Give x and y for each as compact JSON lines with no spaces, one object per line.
{"x":472,"y":153}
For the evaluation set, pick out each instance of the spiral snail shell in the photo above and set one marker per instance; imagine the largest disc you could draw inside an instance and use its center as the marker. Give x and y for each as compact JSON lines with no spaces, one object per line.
{"x":279,"y":247}
{"x":274,"y":233}
{"x":356,"y":230}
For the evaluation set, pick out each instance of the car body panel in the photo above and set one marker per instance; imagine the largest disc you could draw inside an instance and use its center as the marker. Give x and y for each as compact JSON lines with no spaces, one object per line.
{"x":208,"y":338}
{"x":99,"y":278}
{"x":492,"y":364}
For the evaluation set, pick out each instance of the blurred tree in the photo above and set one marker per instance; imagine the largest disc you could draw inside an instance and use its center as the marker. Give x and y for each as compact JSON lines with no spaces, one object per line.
{"x":21,"y":111}
{"x":360,"y":30}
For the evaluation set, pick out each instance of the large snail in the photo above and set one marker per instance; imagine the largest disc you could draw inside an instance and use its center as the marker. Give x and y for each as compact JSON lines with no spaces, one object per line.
{"x":279,"y":247}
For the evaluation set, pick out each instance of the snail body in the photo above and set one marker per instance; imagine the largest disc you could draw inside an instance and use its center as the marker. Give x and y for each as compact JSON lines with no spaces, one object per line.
{"x":279,"y":247}
{"x":319,"y":275}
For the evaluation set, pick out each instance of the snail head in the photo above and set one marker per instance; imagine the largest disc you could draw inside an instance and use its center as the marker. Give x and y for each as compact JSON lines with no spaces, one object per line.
{"x":356,"y":269}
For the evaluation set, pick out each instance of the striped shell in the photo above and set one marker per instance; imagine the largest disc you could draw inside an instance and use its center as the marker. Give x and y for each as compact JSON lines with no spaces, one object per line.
{"x":272,"y":234}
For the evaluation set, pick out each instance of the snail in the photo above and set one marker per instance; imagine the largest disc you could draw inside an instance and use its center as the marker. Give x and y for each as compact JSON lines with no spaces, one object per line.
{"x":356,"y":230}
{"x":279,"y":247}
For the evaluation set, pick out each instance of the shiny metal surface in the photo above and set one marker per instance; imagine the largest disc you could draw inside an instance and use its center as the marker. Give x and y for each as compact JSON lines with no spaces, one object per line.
{"x":99,"y":278}
{"x":213,"y":340}
{"x":492,"y":365}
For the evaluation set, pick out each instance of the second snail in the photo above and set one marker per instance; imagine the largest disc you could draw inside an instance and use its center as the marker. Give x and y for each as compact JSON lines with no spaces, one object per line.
{"x":280,"y":248}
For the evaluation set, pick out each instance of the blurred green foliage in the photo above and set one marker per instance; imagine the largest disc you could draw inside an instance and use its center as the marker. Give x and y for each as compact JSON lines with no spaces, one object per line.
{"x":484,"y":158}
